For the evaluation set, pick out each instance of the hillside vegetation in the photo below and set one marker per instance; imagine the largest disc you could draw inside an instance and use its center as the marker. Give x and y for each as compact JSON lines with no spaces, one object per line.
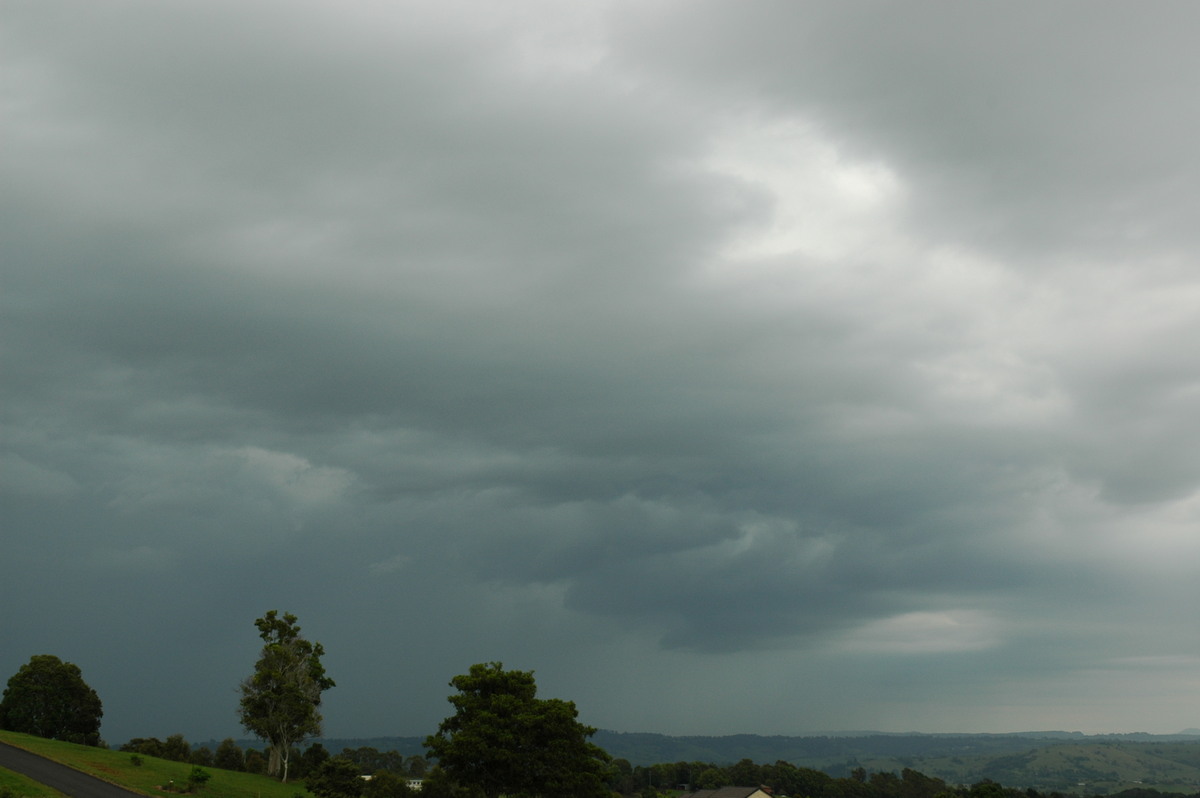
{"x":1094,"y":768}
{"x":1048,"y":762}
{"x":148,"y":778}
{"x":1051,"y":763}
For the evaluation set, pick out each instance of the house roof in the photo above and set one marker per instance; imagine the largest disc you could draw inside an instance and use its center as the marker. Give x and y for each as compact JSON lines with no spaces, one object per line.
{"x":724,"y":792}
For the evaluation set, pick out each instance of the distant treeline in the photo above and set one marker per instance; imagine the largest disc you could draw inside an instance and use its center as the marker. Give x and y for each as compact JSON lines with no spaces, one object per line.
{"x":831,"y":752}
{"x":644,"y":781}
{"x":231,"y":754}
{"x":786,"y":779}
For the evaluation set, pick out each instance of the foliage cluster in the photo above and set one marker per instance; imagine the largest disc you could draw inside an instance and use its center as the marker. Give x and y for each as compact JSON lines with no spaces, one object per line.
{"x":371,"y":760}
{"x":281,"y":699}
{"x":176,"y":748}
{"x":504,"y":740}
{"x":784,"y":778}
{"x":781,"y":778}
{"x":49,"y":698}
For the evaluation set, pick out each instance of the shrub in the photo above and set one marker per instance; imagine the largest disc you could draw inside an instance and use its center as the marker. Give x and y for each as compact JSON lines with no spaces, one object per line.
{"x":197,"y":778}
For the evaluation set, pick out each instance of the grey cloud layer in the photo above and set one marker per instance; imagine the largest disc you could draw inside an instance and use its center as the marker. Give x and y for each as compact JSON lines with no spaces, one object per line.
{"x":336,"y":312}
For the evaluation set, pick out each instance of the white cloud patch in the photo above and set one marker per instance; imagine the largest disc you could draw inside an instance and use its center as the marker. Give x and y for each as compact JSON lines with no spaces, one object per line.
{"x":926,"y":633}
{"x":295,"y":478}
{"x":823,"y":203}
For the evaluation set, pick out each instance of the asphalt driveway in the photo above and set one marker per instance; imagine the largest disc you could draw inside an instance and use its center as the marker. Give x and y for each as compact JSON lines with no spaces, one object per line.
{"x":60,"y":777}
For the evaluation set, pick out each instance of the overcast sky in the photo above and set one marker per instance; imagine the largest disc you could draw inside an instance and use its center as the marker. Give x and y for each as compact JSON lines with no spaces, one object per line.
{"x":758,"y":367}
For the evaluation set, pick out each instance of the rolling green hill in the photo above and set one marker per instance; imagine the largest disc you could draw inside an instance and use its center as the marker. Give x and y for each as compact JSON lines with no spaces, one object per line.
{"x":147,"y":778}
{"x":1093,"y":768}
{"x":1047,"y":762}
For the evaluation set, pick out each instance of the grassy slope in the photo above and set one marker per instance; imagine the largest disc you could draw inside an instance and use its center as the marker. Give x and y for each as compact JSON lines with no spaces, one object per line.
{"x":26,"y":788}
{"x":117,"y":767}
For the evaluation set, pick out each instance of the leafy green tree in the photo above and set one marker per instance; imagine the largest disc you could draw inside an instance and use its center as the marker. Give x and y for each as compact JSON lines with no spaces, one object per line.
{"x":387,"y":784}
{"x":621,"y":776}
{"x":312,"y":758}
{"x":787,"y":779}
{"x":371,"y":759}
{"x":229,"y":755}
{"x":146,"y":746}
{"x":885,"y":785}
{"x":255,"y":762}
{"x":503,"y":740}
{"x":438,"y":784}
{"x":177,"y":748}
{"x":987,"y":789}
{"x":336,"y":777}
{"x":744,"y":773}
{"x":280,"y":700}
{"x":49,"y":698}
{"x":197,"y":778}
{"x":711,"y":779}
{"x":914,"y":784}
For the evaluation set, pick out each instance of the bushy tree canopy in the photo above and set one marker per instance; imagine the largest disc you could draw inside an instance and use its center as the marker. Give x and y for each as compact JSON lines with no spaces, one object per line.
{"x":280,"y":700}
{"x":503,"y":740}
{"x":49,"y":698}
{"x":387,"y":784}
{"x":229,"y":755}
{"x":336,"y":777}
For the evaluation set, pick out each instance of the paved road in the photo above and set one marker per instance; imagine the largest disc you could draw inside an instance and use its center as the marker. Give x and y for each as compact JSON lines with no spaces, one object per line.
{"x":60,"y":777}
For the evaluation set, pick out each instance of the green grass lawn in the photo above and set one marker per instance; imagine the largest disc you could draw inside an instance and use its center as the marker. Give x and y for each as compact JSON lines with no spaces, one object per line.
{"x":148,"y":778}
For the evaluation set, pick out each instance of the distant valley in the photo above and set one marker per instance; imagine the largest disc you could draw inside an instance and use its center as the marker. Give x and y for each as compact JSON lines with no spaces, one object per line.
{"x":1046,"y":761}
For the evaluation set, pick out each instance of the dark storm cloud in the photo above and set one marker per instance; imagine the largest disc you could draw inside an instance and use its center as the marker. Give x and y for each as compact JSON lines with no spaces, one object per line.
{"x":652,"y":347}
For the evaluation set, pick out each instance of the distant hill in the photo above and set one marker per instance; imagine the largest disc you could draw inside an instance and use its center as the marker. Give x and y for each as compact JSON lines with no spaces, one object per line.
{"x":1045,"y":760}
{"x":1048,"y":761}
{"x":408,"y":746}
{"x":828,"y":752}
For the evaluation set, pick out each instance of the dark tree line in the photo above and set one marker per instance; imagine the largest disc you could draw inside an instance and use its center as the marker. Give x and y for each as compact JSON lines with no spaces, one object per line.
{"x":229,"y":755}
{"x":785,"y":779}
{"x":371,"y":760}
